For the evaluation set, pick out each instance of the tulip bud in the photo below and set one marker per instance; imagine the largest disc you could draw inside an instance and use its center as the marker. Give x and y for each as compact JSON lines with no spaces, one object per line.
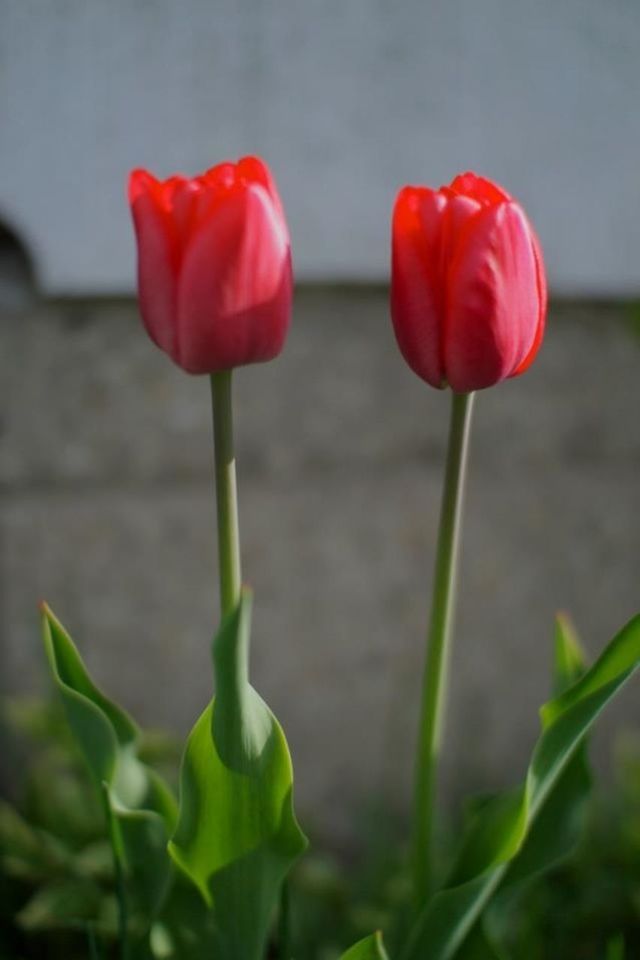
{"x":468,"y":287}
{"x":214,"y":265}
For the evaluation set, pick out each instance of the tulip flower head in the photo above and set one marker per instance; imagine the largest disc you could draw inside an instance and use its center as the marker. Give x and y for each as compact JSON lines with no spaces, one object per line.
{"x":468,"y":287}
{"x":214,"y":265}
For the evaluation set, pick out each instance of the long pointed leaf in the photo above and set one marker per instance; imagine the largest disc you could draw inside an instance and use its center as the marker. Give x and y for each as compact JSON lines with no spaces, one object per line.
{"x":502,"y":827}
{"x":554,"y":834}
{"x":569,"y":662}
{"x":142,"y":806}
{"x":371,"y":948}
{"x":556,"y":830}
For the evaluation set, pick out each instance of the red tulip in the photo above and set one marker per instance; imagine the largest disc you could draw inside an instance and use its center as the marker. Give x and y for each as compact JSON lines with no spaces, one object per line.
{"x":214,"y":265}
{"x":468,"y":287}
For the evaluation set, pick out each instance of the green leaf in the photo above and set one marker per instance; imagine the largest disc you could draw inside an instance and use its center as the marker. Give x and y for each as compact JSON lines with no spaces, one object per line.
{"x":556,"y":831}
{"x":569,"y":661}
{"x":371,"y":948}
{"x":94,"y":951}
{"x":502,"y":826}
{"x":478,"y":946}
{"x":26,"y":851}
{"x":59,"y":796}
{"x":185,"y":929}
{"x":616,"y":949}
{"x":105,"y":734}
{"x":141,"y":808}
{"x":41,"y":721}
{"x":68,"y":903}
{"x":237,"y":835}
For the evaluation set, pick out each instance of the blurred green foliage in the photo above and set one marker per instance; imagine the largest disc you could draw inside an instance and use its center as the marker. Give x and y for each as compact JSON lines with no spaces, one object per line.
{"x":587,"y":908}
{"x":57,"y":883}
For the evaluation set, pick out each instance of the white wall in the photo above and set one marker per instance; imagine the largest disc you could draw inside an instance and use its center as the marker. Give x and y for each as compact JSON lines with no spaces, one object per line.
{"x":347,"y":100}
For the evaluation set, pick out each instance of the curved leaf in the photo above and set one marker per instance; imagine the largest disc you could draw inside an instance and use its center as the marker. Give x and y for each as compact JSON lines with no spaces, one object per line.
{"x":478,"y":946}
{"x":569,"y":662}
{"x":371,"y":948}
{"x":557,"y":828}
{"x":141,"y":807}
{"x":502,"y":826}
{"x":616,"y":948}
{"x":60,"y":904}
{"x":185,"y":929}
{"x":556,"y":831}
{"x":237,"y":835}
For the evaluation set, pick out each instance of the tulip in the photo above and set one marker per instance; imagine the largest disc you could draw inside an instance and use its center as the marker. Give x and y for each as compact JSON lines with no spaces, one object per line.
{"x":214,"y":265}
{"x":468,"y":287}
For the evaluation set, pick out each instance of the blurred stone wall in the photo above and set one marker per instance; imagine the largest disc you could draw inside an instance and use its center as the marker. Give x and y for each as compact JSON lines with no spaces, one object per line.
{"x":107,"y":512}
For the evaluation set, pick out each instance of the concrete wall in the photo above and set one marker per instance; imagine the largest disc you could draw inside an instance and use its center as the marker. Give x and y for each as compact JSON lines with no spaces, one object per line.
{"x":347,"y":99}
{"x":107,"y":512}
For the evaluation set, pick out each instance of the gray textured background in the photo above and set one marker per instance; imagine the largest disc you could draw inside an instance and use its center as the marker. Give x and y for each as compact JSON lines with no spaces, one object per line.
{"x":107,"y":512}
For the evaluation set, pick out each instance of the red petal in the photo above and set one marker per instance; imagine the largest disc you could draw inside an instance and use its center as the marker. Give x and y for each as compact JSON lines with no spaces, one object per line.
{"x":157,"y":262}
{"x":416,"y":294}
{"x":256,"y":171}
{"x":541,"y":278}
{"x":141,"y":181}
{"x":479,"y":188}
{"x":235,"y":285}
{"x":493,"y":306}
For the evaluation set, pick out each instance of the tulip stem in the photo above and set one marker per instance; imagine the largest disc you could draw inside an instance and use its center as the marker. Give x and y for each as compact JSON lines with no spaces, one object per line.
{"x":115,"y":842}
{"x":226,"y":493}
{"x":438,"y":645}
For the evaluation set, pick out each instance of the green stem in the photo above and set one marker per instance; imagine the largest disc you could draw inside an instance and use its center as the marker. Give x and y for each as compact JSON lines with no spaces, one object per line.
{"x":226,"y":493}
{"x":121,"y":893}
{"x":284,"y":923}
{"x":93,"y":943}
{"x":439,"y":641}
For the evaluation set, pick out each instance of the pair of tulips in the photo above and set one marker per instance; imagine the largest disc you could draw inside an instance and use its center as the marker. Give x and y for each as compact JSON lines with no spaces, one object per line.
{"x":468,"y":288}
